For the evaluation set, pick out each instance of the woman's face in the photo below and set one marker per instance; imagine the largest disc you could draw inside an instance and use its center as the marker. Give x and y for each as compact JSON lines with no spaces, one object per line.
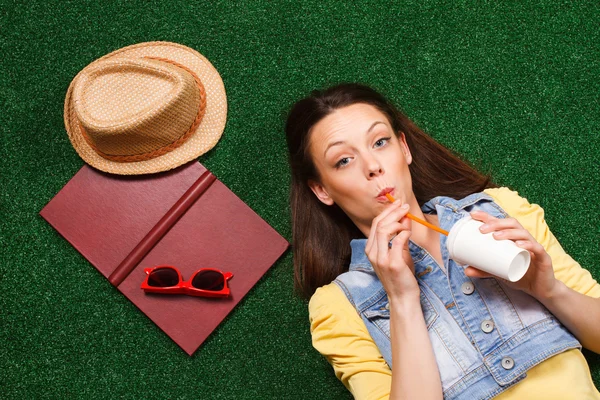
{"x":359,"y":159}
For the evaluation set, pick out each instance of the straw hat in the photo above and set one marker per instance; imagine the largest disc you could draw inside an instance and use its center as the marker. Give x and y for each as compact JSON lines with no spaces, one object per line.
{"x":145,"y":108}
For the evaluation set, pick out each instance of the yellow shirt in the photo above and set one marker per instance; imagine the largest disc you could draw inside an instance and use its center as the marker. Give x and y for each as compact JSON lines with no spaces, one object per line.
{"x":341,"y":336}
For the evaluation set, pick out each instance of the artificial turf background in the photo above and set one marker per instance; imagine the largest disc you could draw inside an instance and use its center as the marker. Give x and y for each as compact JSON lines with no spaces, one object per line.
{"x":513,"y":86}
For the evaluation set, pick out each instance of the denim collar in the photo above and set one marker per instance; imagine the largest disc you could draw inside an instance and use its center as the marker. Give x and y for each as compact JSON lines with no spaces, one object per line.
{"x":431,"y":207}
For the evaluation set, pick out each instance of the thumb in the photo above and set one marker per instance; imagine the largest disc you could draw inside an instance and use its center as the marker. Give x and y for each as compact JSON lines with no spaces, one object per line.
{"x":400,"y":249}
{"x":473,"y":272}
{"x":400,"y":241}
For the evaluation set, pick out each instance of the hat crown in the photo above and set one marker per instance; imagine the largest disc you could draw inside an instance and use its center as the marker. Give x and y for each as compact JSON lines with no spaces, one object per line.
{"x":145,"y":108}
{"x":135,"y":107}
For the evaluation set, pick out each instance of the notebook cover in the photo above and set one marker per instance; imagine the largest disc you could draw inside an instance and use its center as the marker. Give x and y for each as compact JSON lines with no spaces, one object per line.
{"x":105,"y":216}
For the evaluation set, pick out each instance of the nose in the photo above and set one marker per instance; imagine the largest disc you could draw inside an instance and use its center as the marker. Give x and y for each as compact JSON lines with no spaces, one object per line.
{"x":373,"y":167}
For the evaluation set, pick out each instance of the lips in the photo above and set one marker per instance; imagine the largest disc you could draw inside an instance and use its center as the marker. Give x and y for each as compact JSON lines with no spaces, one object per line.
{"x":384,"y":192}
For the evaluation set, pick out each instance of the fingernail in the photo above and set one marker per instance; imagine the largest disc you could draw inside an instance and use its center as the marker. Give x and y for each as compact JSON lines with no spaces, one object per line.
{"x":482,"y":228}
{"x":404,"y":206}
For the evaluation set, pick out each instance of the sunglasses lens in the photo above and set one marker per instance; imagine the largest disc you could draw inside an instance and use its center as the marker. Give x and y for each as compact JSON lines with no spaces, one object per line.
{"x":163,"y":277}
{"x":208,"y":280}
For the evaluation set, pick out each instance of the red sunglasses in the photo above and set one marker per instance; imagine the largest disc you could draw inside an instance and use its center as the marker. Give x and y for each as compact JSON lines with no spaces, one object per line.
{"x":205,"y":282}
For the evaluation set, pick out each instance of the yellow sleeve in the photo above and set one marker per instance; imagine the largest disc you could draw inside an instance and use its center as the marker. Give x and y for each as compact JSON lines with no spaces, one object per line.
{"x":531,"y":216}
{"x":340,"y":335}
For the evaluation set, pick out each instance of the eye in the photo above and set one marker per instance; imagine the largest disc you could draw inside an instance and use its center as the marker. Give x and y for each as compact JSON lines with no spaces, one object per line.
{"x":342,"y":162}
{"x":381,"y":142}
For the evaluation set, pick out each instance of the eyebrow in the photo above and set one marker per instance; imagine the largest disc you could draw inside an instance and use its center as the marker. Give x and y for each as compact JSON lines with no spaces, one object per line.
{"x":330,"y":145}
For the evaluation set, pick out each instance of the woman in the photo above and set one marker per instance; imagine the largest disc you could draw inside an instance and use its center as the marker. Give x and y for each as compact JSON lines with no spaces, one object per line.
{"x":389,"y":310}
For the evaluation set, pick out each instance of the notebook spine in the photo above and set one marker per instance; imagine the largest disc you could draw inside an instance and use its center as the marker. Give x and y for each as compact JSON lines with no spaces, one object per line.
{"x":161,"y":228}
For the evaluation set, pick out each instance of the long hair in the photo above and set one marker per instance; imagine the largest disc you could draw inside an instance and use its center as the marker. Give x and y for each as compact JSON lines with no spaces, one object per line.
{"x":321,"y":234}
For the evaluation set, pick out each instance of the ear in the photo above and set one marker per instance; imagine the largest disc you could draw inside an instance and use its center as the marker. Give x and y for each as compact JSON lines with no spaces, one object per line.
{"x":320,"y":191}
{"x":404,"y":147}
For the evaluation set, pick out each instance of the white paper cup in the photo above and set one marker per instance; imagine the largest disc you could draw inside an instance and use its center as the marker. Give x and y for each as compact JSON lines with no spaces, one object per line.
{"x":502,"y":258}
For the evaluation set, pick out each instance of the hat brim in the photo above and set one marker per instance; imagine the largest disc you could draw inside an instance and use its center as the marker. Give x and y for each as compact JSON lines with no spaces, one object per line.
{"x":203,"y":139}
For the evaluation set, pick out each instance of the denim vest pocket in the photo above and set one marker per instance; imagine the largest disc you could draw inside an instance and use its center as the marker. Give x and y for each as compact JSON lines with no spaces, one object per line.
{"x":379,"y":313}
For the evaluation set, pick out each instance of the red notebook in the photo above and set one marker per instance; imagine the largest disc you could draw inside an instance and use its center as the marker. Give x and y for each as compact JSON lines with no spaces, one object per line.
{"x":186,"y":218}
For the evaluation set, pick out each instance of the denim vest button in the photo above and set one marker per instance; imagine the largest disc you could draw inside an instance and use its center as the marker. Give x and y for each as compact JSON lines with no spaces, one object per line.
{"x":387,"y":306}
{"x":508,"y":363}
{"x":487,"y":326}
{"x":467,"y":288}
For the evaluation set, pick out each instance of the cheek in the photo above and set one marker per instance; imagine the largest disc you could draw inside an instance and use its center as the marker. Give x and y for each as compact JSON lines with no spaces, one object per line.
{"x":341,"y":185}
{"x":399,"y":163}
{"x":351,"y":195}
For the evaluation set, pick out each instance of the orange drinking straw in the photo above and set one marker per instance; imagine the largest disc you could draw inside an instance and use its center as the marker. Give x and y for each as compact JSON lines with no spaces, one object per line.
{"x":419,"y":220}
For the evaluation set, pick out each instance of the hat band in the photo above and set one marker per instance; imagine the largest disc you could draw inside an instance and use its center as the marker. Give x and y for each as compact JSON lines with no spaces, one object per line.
{"x":163,"y":150}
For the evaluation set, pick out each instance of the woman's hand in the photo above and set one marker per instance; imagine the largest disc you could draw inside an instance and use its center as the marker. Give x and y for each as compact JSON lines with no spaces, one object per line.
{"x":393,"y":265}
{"x":539,"y":281}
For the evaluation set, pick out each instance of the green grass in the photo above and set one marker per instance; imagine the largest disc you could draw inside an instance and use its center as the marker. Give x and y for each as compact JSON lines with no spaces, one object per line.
{"x":513,"y":86}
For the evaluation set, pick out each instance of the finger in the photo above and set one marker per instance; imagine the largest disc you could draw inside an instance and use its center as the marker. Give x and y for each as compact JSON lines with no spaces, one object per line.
{"x":389,"y":209}
{"x":405,"y":221}
{"x":383,"y":237}
{"x":376,"y":220}
{"x":394,"y":215}
{"x":482,"y":216}
{"x":391,"y":224}
{"x":497,"y":224}
{"x":394,"y":226}
{"x":380,"y":242}
{"x":383,"y":221}
{"x":536,"y":249}
{"x":513,"y":234}
{"x":522,"y":239}
{"x":473,"y":272}
{"x":398,"y":244}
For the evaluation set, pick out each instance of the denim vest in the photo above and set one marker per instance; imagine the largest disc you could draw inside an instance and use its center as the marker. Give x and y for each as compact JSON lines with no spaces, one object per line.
{"x":485,"y":335}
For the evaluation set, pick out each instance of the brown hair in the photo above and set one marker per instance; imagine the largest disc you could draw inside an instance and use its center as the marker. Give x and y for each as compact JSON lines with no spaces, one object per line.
{"x":321,"y":233}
